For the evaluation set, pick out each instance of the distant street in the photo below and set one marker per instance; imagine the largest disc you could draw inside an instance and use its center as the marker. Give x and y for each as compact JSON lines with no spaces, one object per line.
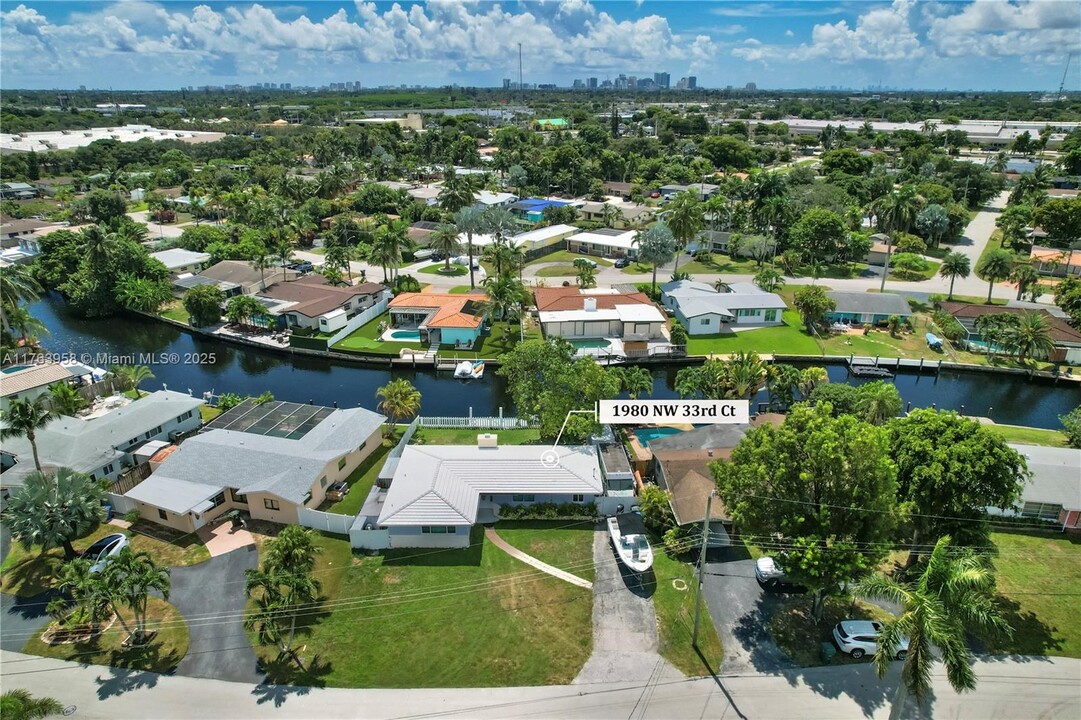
{"x":1008,"y":689}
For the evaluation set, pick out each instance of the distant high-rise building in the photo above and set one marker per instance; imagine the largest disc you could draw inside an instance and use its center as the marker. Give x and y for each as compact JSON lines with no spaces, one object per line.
{"x":662,"y":80}
{"x":692,"y":82}
{"x":287,"y":86}
{"x":750,"y":87}
{"x":632,"y":82}
{"x":591,"y":83}
{"x":506,"y":83}
{"x":578,"y":84}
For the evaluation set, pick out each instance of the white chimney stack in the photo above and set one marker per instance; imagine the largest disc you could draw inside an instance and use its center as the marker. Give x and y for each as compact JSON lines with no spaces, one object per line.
{"x":591,"y":304}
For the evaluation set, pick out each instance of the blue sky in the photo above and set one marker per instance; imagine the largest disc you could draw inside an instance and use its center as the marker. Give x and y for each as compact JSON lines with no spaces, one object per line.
{"x":140,"y":44}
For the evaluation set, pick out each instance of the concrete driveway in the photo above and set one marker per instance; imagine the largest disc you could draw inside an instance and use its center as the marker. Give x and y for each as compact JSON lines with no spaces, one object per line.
{"x":741,"y":610}
{"x":211,"y":597}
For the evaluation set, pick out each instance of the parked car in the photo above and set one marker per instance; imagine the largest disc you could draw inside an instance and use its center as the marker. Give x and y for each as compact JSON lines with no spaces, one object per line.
{"x":302,"y":266}
{"x":338,"y":490}
{"x":623,"y":262}
{"x":654,"y":195}
{"x":587,"y":261}
{"x":770,"y":575}
{"x":104,"y":550}
{"x":464,"y":260}
{"x":860,"y":637}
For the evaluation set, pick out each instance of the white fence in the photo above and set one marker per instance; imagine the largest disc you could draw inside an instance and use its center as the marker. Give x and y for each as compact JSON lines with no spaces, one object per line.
{"x":481,"y":423}
{"x":361,"y":319}
{"x":327,"y":522}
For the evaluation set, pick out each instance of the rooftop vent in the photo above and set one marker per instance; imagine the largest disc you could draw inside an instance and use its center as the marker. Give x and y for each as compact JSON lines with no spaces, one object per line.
{"x":487,"y":440}
{"x":591,"y":304}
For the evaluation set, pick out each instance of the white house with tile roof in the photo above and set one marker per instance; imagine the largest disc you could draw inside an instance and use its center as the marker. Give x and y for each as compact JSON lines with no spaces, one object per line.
{"x":704,"y":310}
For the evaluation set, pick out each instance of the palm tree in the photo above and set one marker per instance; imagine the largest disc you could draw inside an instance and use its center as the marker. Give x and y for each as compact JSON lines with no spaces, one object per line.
{"x":878,"y":402}
{"x":896,"y":212}
{"x":51,"y":511}
{"x":994,"y":266}
{"x":445,"y":241}
{"x":746,"y":374}
{"x":1025,"y":276}
{"x":781,"y":383}
{"x":17,"y":285}
{"x":263,"y":262}
{"x":280,"y":595}
{"x":810,"y":378}
{"x":132,"y":376}
{"x":19,"y":319}
{"x":388,"y":244}
{"x":656,"y":246}
{"x":506,"y":296}
{"x":500,"y":223}
{"x":133,"y":576}
{"x":400,"y":400}
{"x":457,"y":192}
{"x":19,"y":704}
{"x":635,"y":381}
{"x":953,"y":266}
{"x":501,"y":256}
{"x":65,"y":399}
{"x":586,"y":277}
{"x":338,"y":256}
{"x":684,"y":218}
{"x":610,"y":215}
{"x":1031,"y":335}
{"x":24,"y":417}
{"x":470,"y":220}
{"x":293,"y":551}
{"x":769,"y":279}
{"x":283,"y":250}
{"x":953,"y":594}
{"x":98,"y":245}
{"x":1002,"y":159}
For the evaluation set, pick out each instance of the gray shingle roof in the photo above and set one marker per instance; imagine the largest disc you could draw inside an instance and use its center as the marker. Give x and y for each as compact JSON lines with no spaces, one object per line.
{"x":874,"y":303}
{"x":695,"y":298}
{"x":442,"y":484}
{"x":262,"y":463}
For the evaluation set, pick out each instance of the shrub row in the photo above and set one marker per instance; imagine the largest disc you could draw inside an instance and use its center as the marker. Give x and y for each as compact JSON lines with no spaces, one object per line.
{"x":548,"y":511}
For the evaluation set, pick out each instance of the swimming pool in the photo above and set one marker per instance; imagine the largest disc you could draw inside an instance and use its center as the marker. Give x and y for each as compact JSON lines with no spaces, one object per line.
{"x":590,"y":343}
{"x":14,"y":368}
{"x":406,"y":335}
{"x":646,"y":434}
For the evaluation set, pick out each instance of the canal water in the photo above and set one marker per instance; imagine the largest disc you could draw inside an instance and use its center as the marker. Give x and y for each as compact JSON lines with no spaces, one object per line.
{"x":199,"y":365}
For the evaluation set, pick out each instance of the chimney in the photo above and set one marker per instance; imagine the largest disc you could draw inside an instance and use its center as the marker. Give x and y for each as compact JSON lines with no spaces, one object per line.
{"x":590,"y":304}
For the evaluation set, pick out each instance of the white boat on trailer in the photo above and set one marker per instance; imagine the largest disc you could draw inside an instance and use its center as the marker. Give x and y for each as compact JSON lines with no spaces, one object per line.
{"x":628,"y":534}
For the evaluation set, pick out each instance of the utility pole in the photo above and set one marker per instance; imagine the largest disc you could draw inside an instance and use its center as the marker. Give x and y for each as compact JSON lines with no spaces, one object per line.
{"x":701,"y":568}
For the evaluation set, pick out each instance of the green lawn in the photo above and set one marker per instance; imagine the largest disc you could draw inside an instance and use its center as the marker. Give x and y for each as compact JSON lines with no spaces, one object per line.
{"x":721,"y":264}
{"x":567,"y":257}
{"x":207,"y":413}
{"x":176,"y":311}
{"x":167,"y":648}
{"x":562,"y":544}
{"x":455,"y":270}
{"x":1029,"y":435}
{"x":363,"y":340}
{"x":28,"y":572}
{"x":1039,"y":580}
{"x":501,"y":339}
{"x":800,"y":638}
{"x":673,"y":602}
{"x":787,"y":339}
{"x":843,"y":271}
{"x":360,"y":482}
{"x":460,"y":289}
{"x":468,"y":436}
{"x":925,"y":274}
{"x":557,"y":271}
{"x":474,"y":617}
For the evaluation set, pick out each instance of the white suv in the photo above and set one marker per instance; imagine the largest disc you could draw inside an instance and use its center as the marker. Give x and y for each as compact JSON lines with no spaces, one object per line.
{"x":860,"y":637}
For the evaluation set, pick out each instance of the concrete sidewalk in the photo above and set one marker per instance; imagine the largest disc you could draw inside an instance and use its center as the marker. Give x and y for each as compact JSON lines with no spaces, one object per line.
{"x":1008,"y":689}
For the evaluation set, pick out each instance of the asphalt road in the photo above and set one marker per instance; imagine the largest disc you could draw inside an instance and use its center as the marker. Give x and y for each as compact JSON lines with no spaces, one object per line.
{"x":1007,"y":689}
{"x":21,"y":618}
{"x":211,"y":598}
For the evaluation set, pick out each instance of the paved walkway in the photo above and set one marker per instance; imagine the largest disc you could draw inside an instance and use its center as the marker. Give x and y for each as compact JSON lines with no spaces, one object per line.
{"x":222,"y":538}
{"x":625,"y":644}
{"x":530,"y":560}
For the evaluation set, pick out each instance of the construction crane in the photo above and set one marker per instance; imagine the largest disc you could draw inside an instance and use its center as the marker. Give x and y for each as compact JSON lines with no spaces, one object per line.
{"x":1062,"y":84}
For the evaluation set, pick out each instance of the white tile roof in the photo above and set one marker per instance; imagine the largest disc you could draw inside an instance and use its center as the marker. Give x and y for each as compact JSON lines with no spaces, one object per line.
{"x":179,"y":257}
{"x":176,"y":496}
{"x":623,"y":241}
{"x":1056,"y":475}
{"x":695,"y":299}
{"x":442,"y":484}
{"x":547,"y":316}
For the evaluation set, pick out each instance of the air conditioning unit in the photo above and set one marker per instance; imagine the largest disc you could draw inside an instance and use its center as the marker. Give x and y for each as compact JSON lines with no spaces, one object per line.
{"x":487,"y":440}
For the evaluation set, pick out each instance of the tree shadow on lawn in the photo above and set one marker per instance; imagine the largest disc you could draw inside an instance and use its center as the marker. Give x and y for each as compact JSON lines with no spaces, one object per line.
{"x":289,"y":679}
{"x":1032,"y":641}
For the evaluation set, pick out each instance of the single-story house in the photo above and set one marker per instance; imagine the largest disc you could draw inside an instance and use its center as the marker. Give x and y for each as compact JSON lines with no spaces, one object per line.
{"x":1055,"y":262}
{"x":1067,"y":339}
{"x":703,"y":190}
{"x":420,"y":232}
{"x":486,"y":199}
{"x":312,"y":302}
{"x":438,"y":492}
{"x":250,"y":279}
{"x":628,"y":214}
{"x":427,"y":195}
{"x":718,"y":241}
{"x":31,"y":381}
{"x":17,"y":191}
{"x":102,"y":446}
{"x":441,"y":318}
{"x":180,"y":261}
{"x":703,"y":310}
{"x":187,"y":281}
{"x":857,"y":308}
{"x":880,"y":250}
{"x":572,"y":313}
{"x":532,"y":209}
{"x":11,"y":231}
{"x":269,"y":459}
{"x":1054,"y":492}
{"x":605,"y":242}
{"x":619,"y":189}
{"x":533,"y":242}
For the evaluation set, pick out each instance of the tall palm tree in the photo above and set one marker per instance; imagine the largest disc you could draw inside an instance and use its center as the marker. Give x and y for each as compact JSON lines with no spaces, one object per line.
{"x":17,"y":285}
{"x":506,"y":297}
{"x":993,"y":267}
{"x":684,"y":218}
{"x":19,"y":320}
{"x":338,"y":256}
{"x":656,"y":246}
{"x":1030,"y":336}
{"x":52,"y":510}
{"x":280,"y":597}
{"x":457,"y":192}
{"x":1025,"y":276}
{"x":388,"y":243}
{"x":18,"y":704}
{"x":955,"y":265}
{"x":611,"y":215}
{"x":635,"y":381}
{"x":470,"y":220}
{"x":133,"y":576}
{"x":263,"y":262}
{"x":501,"y":256}
{"x":132,"y":376}
{"x":896,"y":213}
{"x":445,"y":242}
{"x":283,"y":250}
{"x":500,"y":223}
{"x":23,"y":418}
{"x":953,"y":594}
{"x":400,"y":400}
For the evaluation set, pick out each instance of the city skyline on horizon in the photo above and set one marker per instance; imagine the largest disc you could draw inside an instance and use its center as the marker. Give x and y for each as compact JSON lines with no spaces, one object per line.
{"x":138,"y":45}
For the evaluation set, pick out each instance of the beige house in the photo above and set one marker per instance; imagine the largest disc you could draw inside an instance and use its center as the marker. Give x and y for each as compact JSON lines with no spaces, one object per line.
{"x":268,"y":460}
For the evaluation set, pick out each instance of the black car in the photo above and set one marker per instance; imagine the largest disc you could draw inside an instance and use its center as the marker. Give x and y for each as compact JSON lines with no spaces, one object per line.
{"x":301,"y":267}
{"x":622,"y":262}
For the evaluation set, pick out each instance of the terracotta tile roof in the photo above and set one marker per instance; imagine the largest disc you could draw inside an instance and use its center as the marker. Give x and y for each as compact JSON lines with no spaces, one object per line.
{"x":451,"y":311}
{"x":556,"y":299}
{"x":1060,"y":330}
{"x":1046,"y":254}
